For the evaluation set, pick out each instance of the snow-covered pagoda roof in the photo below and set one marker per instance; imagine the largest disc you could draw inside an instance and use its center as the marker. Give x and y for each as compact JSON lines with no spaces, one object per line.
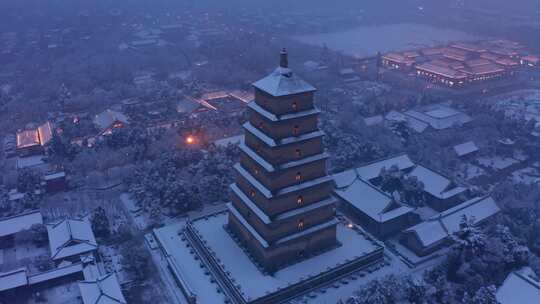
{"x":282,"y":81}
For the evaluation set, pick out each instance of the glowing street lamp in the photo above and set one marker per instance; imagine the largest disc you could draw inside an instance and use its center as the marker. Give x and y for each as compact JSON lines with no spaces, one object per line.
{"x":190,"y":140}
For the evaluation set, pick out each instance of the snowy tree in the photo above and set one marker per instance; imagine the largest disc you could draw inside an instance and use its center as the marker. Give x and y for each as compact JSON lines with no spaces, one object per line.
{"x":470,"y":239}
{"x":100,"y":222}
{"x":5,"y":203}
{"x":391,"y":289}
{"x":39,"y":234}
{"x":484,"y":295}
{"x":135,"y":259}
{"x":63,"y":95}
{"x":27,"y":180}
{"x":413,"y":190}
{"x":391,"y":179}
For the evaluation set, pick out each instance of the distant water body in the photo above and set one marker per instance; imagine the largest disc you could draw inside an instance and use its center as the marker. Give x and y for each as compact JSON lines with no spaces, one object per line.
{"x":367,"y":41}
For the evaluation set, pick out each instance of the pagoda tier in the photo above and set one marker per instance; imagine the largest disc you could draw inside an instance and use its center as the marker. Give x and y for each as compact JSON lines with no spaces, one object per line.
{"x":282,"y":207}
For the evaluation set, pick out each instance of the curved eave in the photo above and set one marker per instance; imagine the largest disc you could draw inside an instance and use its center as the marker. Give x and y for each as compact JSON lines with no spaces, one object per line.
{"x":281,"y":142}
{"x":273,"y":168}
{"x":269,"y":194}
{"x":276,"y":118}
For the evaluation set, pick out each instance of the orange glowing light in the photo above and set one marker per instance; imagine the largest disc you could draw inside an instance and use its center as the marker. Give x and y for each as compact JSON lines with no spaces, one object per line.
{"x":190,"y":140}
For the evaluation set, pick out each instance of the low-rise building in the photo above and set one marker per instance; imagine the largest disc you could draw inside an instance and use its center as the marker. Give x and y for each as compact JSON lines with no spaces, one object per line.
{"x":436,"y":232}
{"x":466,"y":149}
{"x":55,"y":182}
{"x":9,"y":226}
{"x":69,"y":239}
{"x":439,"y":116}
{"x":376,"y":211}
{"x":102,"y":290}
{"x":109,"y":120}
{"x":442,"y":193}
{"x":33,"y":141}
{"x":530,"y":60}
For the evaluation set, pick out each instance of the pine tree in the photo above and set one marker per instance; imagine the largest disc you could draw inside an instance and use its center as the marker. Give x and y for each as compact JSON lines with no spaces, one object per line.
{"x":100,"y":222}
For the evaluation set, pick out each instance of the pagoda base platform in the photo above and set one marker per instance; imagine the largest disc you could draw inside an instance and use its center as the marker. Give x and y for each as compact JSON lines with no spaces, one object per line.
{"x":241,"y":280}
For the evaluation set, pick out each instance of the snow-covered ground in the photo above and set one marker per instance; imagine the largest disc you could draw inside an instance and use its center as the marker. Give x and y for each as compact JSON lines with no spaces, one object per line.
{"x":519,"y":104}
{"x":256,"y":284}
{"x":497,"y":162}
{"x":527,"y":176}
{"x":470,"y":171}
{"x":189,"y":265}
{"x":112,"y":261}
{"x":136,"y":214}
{"x":385,"y":38}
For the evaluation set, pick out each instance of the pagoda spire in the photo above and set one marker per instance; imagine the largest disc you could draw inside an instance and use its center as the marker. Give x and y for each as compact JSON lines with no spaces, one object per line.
{"x":284,"y":60}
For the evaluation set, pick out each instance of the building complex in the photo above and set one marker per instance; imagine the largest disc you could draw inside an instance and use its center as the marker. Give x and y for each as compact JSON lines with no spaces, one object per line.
{"x":463,"y":63}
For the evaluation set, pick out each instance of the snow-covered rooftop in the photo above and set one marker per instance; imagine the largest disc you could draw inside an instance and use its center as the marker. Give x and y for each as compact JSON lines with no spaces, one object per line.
{"x":439,"y":116}
{"x":17,"y":223}
{"x":188,"y":105}
{"x":371,"y":201}
{"x":444,"y":224}
{"x":465,"y":148}
{"x":55,"y":273}
{"x":435,"y":184}
{"x":373,"y":120}
{"x":30,"y":161}
{"x":103,"y":290}
{"x":107,"y":118}
{"x":412,"y":123}
{"x":232,"y":140}
{"x":519,"y":288}
{"x":13,"y":279}
{"x":53,"y":176}
{"x":372,"y":170}
{"x":283,"y":82}
{"x":70,"y":237}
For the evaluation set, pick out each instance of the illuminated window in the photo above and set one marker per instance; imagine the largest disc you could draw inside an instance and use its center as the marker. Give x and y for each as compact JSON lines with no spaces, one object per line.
{"x":300,"y":224}
{"x":299,"y":200}
{"x":295,"y":106}
{"x":298,"y":176}
{"x":298,"y":153}
{"x":296,"y":130}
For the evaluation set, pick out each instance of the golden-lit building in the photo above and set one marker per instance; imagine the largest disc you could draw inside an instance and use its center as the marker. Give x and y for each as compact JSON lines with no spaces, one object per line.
{"x":462,"y":63}
{"x":32,"y":142}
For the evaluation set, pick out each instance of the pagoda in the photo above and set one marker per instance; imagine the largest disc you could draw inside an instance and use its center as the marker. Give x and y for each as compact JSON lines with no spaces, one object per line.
{"x":281,"y":206}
